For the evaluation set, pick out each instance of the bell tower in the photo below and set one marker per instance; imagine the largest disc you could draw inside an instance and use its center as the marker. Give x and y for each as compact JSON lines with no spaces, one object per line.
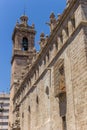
{"x":23,"y":47}
{"x":22,"y":54}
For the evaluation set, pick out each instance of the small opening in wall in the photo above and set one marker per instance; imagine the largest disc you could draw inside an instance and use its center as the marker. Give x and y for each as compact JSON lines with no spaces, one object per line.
{"x":29,"y":109}
{"x":61,"y":38}
{"x":38,"y":71}
{"x":24,"y":44}
{"x":35,"y":75}
{"x":64,"y":123}
{"x":23,"y":115}
{"x":67,"y":31}
{"x":45,"y":61}
{"x":48,"y":56}
{"x":37,"y":100}
{"x":56,"y":44}
{"x":73,"y":21}
{"x":62,"y":104}
{"x":61,"y":70}
{"x":47,"y":91}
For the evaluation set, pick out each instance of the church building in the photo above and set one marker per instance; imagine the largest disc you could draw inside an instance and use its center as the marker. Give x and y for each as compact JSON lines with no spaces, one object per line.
{"x":49,"y":88}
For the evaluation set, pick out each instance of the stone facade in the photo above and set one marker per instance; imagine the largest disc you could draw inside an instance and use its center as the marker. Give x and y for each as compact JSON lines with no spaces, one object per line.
{"x":49,"y":88}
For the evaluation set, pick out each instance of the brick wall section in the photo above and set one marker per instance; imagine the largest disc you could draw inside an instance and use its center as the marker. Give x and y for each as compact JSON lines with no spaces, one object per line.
{"x":77,"y":89}
{"x":79,"y":82}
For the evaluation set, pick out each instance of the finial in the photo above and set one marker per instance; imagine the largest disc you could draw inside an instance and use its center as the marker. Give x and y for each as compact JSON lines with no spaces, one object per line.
{"x":42,"y":35}
{"x":52,"y":15}
{"x":52,"y":21}
{"x":24,"y":19}
{"x":33,"y":25}
{"x":59,"y":15}
{"x":42,"y":40}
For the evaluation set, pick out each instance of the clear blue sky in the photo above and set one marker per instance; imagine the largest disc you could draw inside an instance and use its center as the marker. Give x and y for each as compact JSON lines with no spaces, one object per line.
{"x":38,"y":12}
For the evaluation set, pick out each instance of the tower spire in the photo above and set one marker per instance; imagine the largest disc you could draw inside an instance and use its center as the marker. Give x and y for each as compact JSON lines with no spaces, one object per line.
{"x":24,"y":9}
{"x":24,"y":18}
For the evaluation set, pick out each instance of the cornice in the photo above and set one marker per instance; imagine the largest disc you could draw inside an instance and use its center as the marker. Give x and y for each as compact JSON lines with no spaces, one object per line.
{"x":19,"y":53}
{"x":23,"y":29}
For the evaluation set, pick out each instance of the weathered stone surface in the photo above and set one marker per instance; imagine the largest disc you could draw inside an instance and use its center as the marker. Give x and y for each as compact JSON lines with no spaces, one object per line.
{"x":53,"y":92}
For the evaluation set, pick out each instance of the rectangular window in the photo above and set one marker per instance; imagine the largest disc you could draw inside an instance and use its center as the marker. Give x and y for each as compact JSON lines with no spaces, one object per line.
{"x":62,"y":104}
{"x":5,"y":104}
{"x":6,"y":110}
{"x":1,"y":98}
{"x":4,"y":117}
{"x":64,"y":122}
{"x":3,"y":129}
{"x":3,"y":123}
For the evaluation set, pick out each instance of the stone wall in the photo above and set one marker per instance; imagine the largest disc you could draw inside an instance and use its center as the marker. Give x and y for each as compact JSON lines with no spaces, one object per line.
{"x":38,"y":95}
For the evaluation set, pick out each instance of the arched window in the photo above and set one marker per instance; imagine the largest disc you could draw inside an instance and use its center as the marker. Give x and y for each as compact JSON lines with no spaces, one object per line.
{"x":25,"y":44}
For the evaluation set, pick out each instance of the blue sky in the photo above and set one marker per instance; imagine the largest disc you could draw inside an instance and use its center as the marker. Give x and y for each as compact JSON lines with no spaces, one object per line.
{"x":38,"y":12}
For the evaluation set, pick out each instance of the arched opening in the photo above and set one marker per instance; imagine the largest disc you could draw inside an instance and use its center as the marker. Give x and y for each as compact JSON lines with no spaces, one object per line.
{"x":47,"y":90}
{"x":25,"y":44}
{"x":62,"y":108}
{"x":37,"y":100}
{"x":29,"y":109}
